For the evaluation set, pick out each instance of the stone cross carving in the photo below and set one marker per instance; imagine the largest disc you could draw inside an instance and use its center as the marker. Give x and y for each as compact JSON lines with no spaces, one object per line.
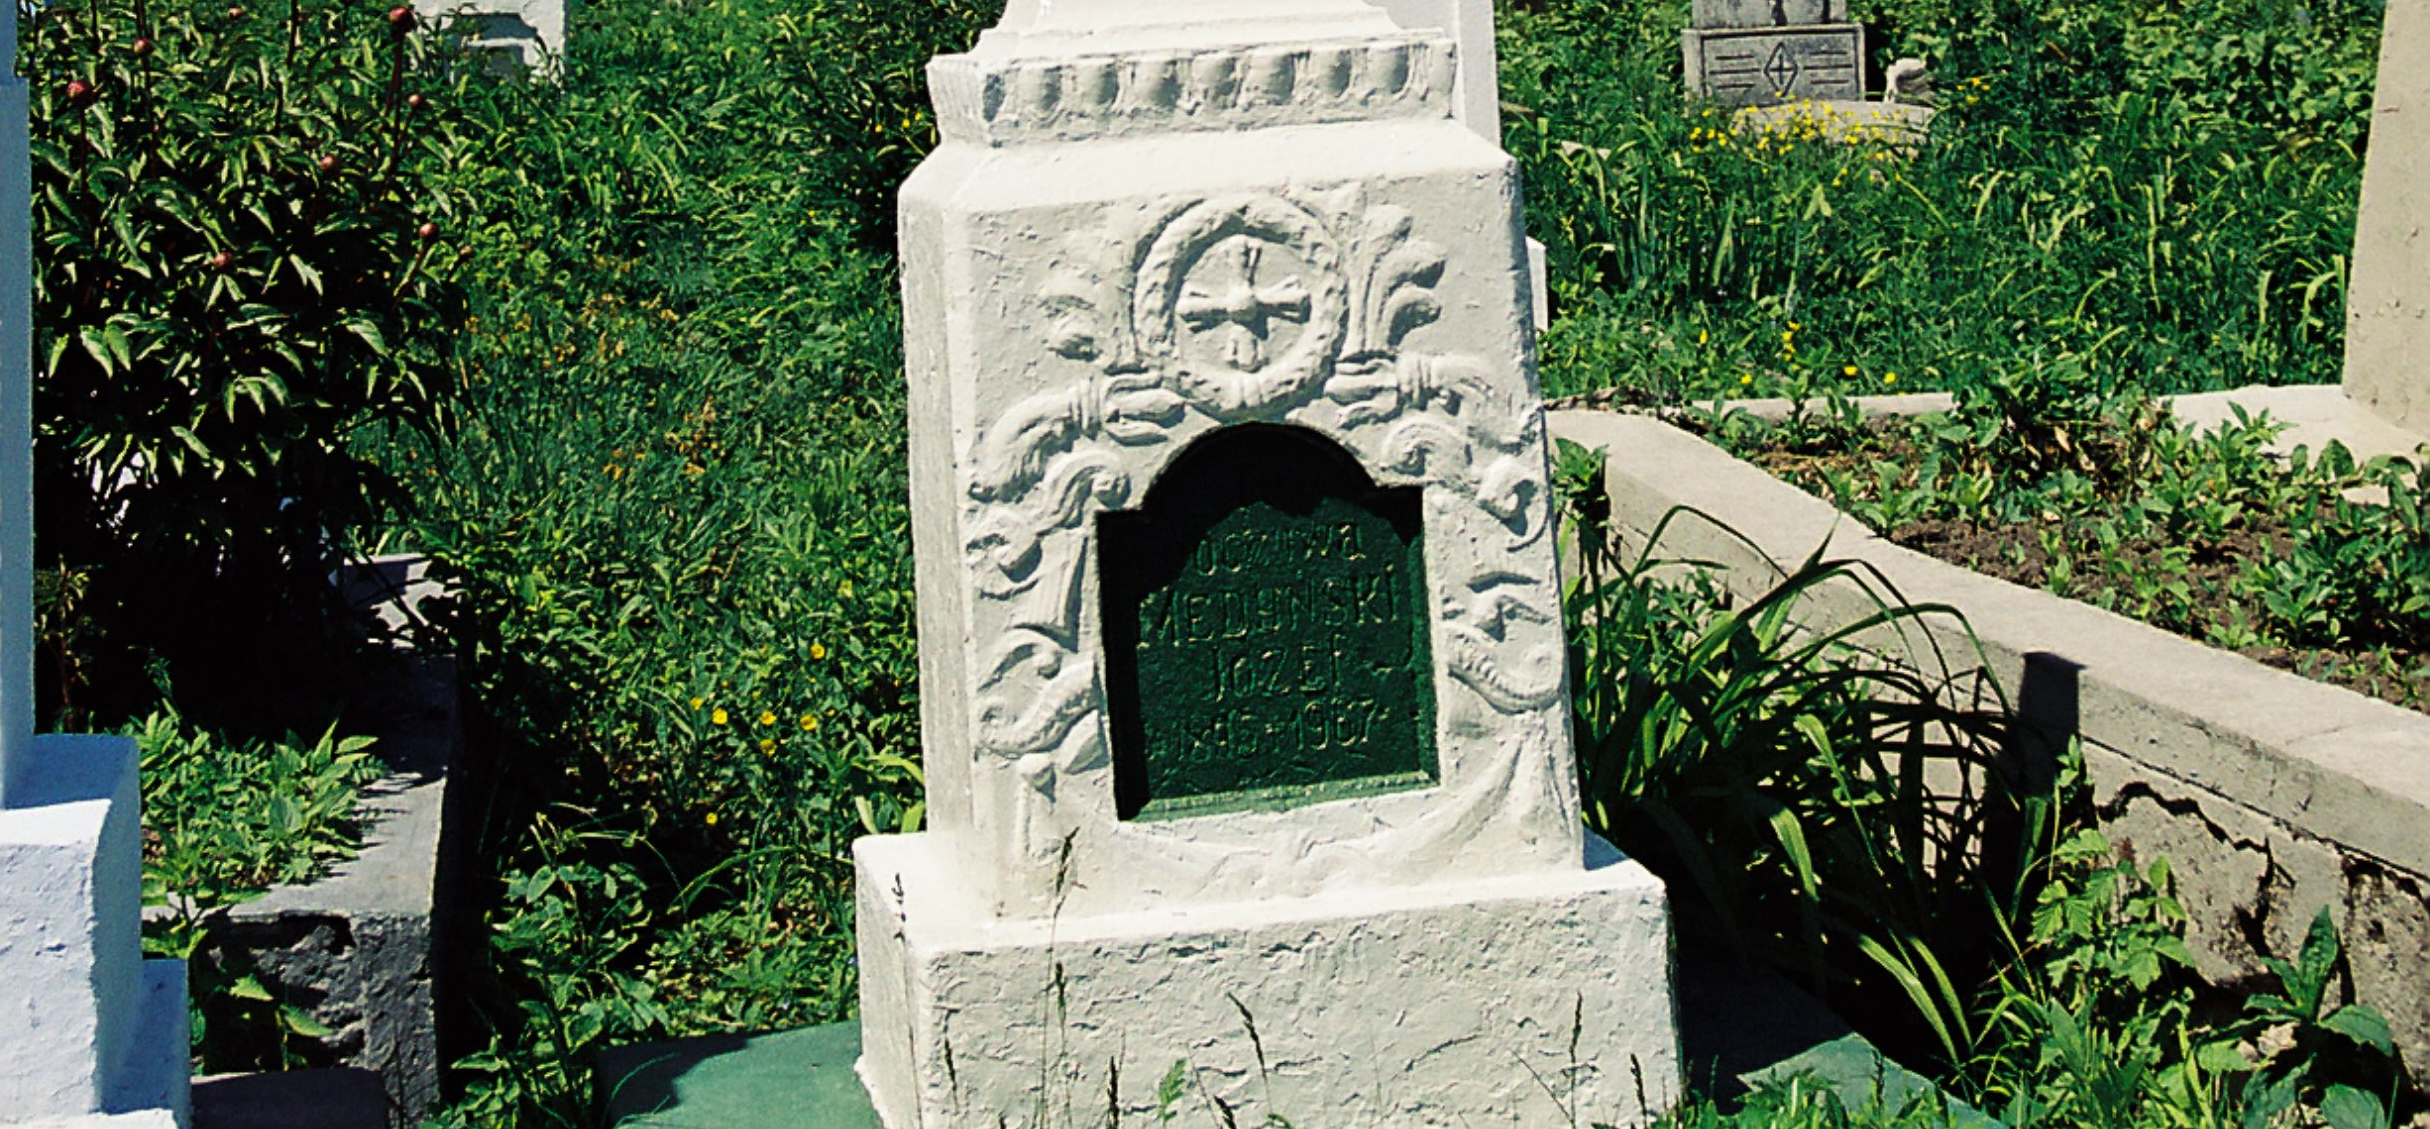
{"x":1241,"y":659}
{"x":1241,"y":310}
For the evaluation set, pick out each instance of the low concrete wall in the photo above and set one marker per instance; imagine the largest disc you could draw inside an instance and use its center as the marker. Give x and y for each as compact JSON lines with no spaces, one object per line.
{"x":2271,"y":795}
{"x":360,"y":948}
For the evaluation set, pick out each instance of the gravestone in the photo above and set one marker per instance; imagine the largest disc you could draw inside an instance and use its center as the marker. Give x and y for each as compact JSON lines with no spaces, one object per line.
{"x":91,"y":1034}
{"x":2388,"y":297}
{"x":1765,"y":52}
{"x":517,"y":37}
{"x":1243,"y":690}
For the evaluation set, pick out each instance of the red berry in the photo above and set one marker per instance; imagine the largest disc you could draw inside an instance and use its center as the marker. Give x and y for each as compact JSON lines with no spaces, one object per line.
{"x":222,"y":261}
{"x":400,"y":19}
{"x":416,"y":101}
{"x":329,"y":162}
{"x":236,"y":13}
{"x":142,"y":46}
{"x":428,"y":232}
{"x":79,"y":92}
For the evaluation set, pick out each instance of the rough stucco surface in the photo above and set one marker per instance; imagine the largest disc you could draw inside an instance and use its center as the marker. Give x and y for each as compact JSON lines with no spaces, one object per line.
{"x":2388,"y":301}
{"x":84,"y":1018}
{"x":2270,"y":795}
{"x":1424,"y":1006}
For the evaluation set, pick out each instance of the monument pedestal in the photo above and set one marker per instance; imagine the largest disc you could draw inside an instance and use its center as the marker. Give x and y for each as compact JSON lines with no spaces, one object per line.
{"x":1244,"y":709}
{"x":1532,"y":1000}
{"x":95,"y":1035}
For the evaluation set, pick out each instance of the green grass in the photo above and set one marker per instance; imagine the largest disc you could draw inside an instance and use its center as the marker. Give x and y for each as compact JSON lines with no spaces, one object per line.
{"x":2164,"y":193}
{"x":674,"y":496}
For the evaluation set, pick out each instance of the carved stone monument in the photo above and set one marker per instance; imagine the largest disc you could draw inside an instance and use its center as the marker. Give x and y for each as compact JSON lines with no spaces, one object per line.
{"x":517,"y":37}
{"x":1764,"y":52}
{"x":91,"y":1034}
{"x":2388,"y":299}
{"x":1243,"y":692}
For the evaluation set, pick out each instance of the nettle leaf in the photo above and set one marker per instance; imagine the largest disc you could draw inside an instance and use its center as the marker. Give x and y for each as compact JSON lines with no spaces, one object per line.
{"x":2345,"y":1107}
{"x":2363,"y":1025}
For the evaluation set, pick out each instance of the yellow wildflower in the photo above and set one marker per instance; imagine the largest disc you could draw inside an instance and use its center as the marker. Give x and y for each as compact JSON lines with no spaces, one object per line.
{"x":717,"y":716}
{"x":818,"y":650}
{"x":712,"y":819}
{"x":1890,"y":378}
{"x":696,"y":701}
{"x":767,"y":745}
{"x":1847,"y":370}
{"x":767,"y":718}
{"x":809,"y":722}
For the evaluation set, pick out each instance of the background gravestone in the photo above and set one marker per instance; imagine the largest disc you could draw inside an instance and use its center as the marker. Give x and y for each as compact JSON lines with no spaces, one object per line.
{"x":91,"y":1034}
{"x":1243,"y":695}
{"x":1764,"y":52}
{"x":2388,"y":298}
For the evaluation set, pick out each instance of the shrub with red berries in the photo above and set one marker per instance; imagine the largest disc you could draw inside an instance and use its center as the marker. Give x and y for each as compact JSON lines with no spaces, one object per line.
{"x":238,"y":269}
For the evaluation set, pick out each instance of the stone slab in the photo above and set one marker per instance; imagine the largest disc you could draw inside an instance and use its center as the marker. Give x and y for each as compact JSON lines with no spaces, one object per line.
{"x":2262,"y":769}
{"x":1739,"y":1028}
{"x":2388,"y":292}
{"x":1338,"y":1006}
{"x":341,"y":1097}
{"x":2315,"y":415}
{"x":1824,"y":62}
{"x":1766,"y":13}
{"x":803,"y":1077}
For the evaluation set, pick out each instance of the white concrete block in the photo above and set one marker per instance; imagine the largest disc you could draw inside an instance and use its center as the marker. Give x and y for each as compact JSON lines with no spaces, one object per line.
{"x":88,"y":1021}
{"x":1476,"y":91}
{"x":1539,"y":1001}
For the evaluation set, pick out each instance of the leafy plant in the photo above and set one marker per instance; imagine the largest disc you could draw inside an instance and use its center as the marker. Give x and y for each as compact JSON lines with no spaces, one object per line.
{"x":242,"y":261}
{"x":1829,"y":775}
{"x":224,"y":821}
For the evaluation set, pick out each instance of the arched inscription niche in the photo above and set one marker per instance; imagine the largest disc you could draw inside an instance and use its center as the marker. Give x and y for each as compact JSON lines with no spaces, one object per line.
{"x":1266,"y":630}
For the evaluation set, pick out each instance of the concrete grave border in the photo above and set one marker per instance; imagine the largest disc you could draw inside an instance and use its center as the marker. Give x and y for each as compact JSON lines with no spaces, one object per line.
{"x":2271,"y":795}
{"x":363,"y":948}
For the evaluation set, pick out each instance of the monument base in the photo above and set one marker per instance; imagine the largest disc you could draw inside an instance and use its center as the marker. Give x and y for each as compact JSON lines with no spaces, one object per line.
{"x":1543,"y":1000}
{"x":97,"y":1035}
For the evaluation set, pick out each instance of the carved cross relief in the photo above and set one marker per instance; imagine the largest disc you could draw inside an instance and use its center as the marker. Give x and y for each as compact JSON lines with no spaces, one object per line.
{"x":1227,"y":308}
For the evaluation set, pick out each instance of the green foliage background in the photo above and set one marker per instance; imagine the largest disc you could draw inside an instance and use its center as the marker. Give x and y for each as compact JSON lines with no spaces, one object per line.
{"x":2163,"y":193}
{"x":644,"y":385}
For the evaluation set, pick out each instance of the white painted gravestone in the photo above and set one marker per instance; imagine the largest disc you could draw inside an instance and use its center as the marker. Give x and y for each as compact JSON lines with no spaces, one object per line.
{"x":2388,"y":302}
{"x":90,"y":1032}
{"x":1241,"y":655}
{"x":1764,"y":52}
{"x":519,"y":36}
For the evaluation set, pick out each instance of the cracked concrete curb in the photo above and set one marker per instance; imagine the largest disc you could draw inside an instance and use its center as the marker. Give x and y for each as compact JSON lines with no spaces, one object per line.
{"x":2271,"y":794}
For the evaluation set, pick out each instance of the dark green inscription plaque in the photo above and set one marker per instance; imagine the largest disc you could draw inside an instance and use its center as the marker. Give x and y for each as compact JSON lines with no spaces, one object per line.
{"x":1265,"y":630}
